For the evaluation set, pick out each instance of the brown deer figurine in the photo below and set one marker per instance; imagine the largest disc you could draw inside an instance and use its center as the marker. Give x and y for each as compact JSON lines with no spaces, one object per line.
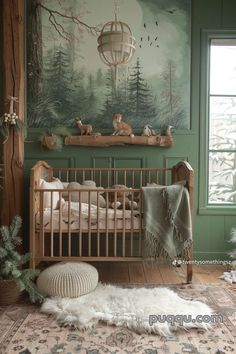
{"x":85,"y":129}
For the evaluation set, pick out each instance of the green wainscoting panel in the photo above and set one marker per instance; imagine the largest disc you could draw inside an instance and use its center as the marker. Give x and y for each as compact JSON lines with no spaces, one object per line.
{"x":101,"y":161}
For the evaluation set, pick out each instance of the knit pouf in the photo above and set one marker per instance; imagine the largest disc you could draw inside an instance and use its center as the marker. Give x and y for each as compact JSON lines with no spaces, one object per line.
{"x":68,"y":279}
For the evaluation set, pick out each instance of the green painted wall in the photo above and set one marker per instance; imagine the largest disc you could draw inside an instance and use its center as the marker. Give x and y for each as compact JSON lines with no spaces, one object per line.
{"x":211,"y":232}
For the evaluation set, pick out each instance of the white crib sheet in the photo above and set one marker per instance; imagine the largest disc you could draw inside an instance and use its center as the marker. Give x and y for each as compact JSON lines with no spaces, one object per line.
{"x":99,"y":218}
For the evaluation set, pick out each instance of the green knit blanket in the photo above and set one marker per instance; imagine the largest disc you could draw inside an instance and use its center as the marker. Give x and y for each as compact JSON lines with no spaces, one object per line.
{"x":167,"y":221}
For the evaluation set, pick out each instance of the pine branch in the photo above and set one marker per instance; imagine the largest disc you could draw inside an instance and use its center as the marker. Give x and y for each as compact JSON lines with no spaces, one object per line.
{"x":3,"y":253}
{"x":11,"y":261}
{"x":15,"y":226}
{"x":5,"y":234}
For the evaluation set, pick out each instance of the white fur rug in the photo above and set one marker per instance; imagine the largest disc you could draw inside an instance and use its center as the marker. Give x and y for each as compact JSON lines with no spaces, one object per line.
{"x":130,"y":308}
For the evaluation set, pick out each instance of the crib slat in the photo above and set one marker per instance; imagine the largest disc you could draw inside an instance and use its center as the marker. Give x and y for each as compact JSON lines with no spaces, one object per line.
{"x":51,"y":225}
{"x":132,"y":226}
{"x":80,"y":226}
{"x":60,"y":224}
{"x":132,"y":177}
{"x":69,"y":224}
{"x":140,"y":224}
{"x":115,"y":225}
{"x":106,"y":226}
{"x":108,"y":179}
{"x":125,"y":178}
{"x":98,"y":227}
{"x":41,"y":224}
{"x":141,"y":179}
{"x":123,"y":225}
{"x":89,"y":223}
{"x":100,"y":178}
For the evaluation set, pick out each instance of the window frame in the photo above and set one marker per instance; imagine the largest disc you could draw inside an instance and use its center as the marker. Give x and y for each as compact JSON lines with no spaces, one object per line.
{"x":204,"y":207}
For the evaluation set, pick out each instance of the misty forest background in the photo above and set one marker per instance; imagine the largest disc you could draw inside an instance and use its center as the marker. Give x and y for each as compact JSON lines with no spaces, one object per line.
{"x":59,"y":91}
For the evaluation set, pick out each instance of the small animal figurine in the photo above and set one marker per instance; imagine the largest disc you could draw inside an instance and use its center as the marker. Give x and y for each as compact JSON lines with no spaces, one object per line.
{"x":121,"y":128}
{"x":85,"y":129}
{"x":148,"y":131}
{"x":168,"y":130}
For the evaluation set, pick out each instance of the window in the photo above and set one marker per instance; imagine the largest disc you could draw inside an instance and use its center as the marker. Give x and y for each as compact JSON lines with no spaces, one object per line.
{"x":218,"y":123}
{"x":222,"y":122}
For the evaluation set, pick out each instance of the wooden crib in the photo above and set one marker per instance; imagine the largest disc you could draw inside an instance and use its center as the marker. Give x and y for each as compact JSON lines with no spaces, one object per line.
{"x":85,"y":230}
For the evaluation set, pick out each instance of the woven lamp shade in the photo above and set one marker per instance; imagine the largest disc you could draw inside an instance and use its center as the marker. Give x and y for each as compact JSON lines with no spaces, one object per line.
{"x":68,"y":279}
{"x":116,"y":45}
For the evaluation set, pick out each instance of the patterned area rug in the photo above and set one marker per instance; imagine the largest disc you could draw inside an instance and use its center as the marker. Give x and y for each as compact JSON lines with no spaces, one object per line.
{"x":23,"y":330}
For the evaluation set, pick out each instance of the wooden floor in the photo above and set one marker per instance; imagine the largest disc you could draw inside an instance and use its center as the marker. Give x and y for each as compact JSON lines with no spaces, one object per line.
{"x":137,"y":272}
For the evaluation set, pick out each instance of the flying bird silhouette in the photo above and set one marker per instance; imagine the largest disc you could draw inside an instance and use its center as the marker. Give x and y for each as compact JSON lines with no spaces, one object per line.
{"x":156,"y":38}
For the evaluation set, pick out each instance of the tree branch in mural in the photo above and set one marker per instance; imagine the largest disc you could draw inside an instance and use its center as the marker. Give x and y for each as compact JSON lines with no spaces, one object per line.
{"x":54,"y":14}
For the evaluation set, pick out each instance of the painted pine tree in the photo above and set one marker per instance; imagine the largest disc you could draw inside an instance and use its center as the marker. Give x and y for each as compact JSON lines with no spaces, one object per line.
{"x":57,"y":83}
{"x":140,"y":103}
{"x":170,"y":101}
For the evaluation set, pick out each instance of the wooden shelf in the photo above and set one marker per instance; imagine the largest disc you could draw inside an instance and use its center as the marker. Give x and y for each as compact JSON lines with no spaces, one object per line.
{"x":111,"y":140}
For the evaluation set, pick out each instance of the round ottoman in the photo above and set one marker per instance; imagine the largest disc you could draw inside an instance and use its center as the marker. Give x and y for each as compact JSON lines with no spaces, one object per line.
{"x":71,"y":279}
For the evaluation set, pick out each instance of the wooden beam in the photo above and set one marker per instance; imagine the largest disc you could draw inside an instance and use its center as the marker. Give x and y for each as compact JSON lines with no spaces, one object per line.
{"x":13,"y":20}
{"x":112,"y":140}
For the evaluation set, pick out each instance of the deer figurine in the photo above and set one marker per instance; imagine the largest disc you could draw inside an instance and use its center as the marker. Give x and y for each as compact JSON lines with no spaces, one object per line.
{"x":85,"y":129}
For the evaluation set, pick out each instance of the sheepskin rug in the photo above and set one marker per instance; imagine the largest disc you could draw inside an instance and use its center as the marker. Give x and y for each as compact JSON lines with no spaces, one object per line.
{"x":130,"y":308}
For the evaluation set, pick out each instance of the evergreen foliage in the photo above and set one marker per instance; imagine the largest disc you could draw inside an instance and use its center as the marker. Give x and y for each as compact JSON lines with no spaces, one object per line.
{"x":70,"y":92}
{"x":11,"y":261}
{"x":170,"y":103}
{"x":58,"y":81}
{"x":141,"y":105}
{"x":233,"y":240}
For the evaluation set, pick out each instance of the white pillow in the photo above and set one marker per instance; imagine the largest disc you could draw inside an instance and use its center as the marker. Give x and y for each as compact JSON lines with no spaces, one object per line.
{"x":55,"y":184}
{"x":85,"y":195}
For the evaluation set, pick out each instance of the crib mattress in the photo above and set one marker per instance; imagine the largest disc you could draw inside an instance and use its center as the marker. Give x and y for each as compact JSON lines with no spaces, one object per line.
{"x":70,"y":217}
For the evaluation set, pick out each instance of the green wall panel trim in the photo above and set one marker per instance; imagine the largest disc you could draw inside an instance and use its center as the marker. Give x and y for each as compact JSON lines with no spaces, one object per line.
{"x":217,"y":210}
{"x":210,"y":256}
{"x":101,"y":161}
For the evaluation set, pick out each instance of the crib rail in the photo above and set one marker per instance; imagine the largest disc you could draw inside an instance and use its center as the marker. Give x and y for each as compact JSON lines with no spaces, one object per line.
{"x":106,"y":177}
{"x":77,"y":229}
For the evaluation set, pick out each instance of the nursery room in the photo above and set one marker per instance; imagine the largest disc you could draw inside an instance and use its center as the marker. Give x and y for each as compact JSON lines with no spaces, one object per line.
{"x":117,"y":176}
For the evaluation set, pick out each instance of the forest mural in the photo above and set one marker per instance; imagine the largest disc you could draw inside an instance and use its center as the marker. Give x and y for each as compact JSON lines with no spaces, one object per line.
{"x":67,"y":79}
